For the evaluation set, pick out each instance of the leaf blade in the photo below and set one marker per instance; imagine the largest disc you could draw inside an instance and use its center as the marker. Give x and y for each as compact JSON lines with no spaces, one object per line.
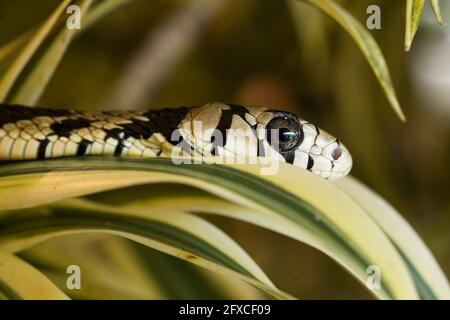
{"x":405,"y":238}
{"x":184,"y":236}
{"x":19,"y":280}
{"x":348,"y":230}
{"x":368,"y":46}
{"x":12,"y":73}
{"x":36,"y":81}
{"x":436,"y":10}
{"x":414,"y":10}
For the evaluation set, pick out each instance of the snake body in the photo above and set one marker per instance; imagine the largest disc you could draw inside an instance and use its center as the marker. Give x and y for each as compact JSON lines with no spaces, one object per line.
{"x":40,"y":133}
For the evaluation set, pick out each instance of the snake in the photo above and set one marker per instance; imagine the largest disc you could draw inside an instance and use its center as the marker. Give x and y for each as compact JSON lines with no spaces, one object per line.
{"x":213,"y":129}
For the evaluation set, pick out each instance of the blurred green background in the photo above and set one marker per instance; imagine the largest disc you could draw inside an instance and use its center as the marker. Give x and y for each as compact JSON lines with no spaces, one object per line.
{"x":286,"y":55}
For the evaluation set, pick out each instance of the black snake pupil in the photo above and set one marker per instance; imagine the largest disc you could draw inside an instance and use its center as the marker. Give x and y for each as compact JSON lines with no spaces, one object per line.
{"x":286,"y":135}
{"x":288,"y":132}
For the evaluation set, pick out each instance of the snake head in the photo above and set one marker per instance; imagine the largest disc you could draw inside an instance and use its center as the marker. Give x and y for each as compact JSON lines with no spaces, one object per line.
{"x":263,"y":132}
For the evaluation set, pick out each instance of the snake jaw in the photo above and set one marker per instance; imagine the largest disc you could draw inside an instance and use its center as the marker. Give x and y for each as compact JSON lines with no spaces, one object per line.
{"x":322,"y":154}
{"x":332,"y":161}
{"x":340,"y":159}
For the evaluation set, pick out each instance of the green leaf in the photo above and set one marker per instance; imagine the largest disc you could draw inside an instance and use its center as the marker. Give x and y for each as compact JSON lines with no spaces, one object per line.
{"x":102,"y":9}
{"x":12,"y":46}
{"x":179,"y":279}
{"x":182,"y":235}
{"x":12,"y":73}
{"x":414,"y":10}
{"x":109,"y":268}
{"x":98,"y":11}
{"x":36,"y":81}
{"x":412,"y":248}
{"x":116,"y":268}
{"x":172,"y":197}
{"x":19,"y":280}
{"x":320,"y":213}
{"x":436,"y":10}
{"x":428,"y":275}
{"x":366,"y":43}
{"x":29,"y":92}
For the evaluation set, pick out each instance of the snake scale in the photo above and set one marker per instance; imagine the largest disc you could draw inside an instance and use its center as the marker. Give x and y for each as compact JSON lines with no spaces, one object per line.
{"x":40,"y":133}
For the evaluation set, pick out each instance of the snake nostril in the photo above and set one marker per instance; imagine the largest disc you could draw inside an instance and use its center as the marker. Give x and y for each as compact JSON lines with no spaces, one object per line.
{"x":337,"y":153}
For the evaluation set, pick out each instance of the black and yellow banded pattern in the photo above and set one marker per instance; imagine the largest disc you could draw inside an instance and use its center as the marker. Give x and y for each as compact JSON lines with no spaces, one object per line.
{"x":39,"y":133}
{"x":209,"y":130}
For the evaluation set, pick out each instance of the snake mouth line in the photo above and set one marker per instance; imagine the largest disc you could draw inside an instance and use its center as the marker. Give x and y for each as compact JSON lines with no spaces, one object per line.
{"x":330,"y":171}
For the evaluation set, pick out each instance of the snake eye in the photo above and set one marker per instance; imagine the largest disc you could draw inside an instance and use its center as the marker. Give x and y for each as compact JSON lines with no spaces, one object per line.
{"x":288,"y":131}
